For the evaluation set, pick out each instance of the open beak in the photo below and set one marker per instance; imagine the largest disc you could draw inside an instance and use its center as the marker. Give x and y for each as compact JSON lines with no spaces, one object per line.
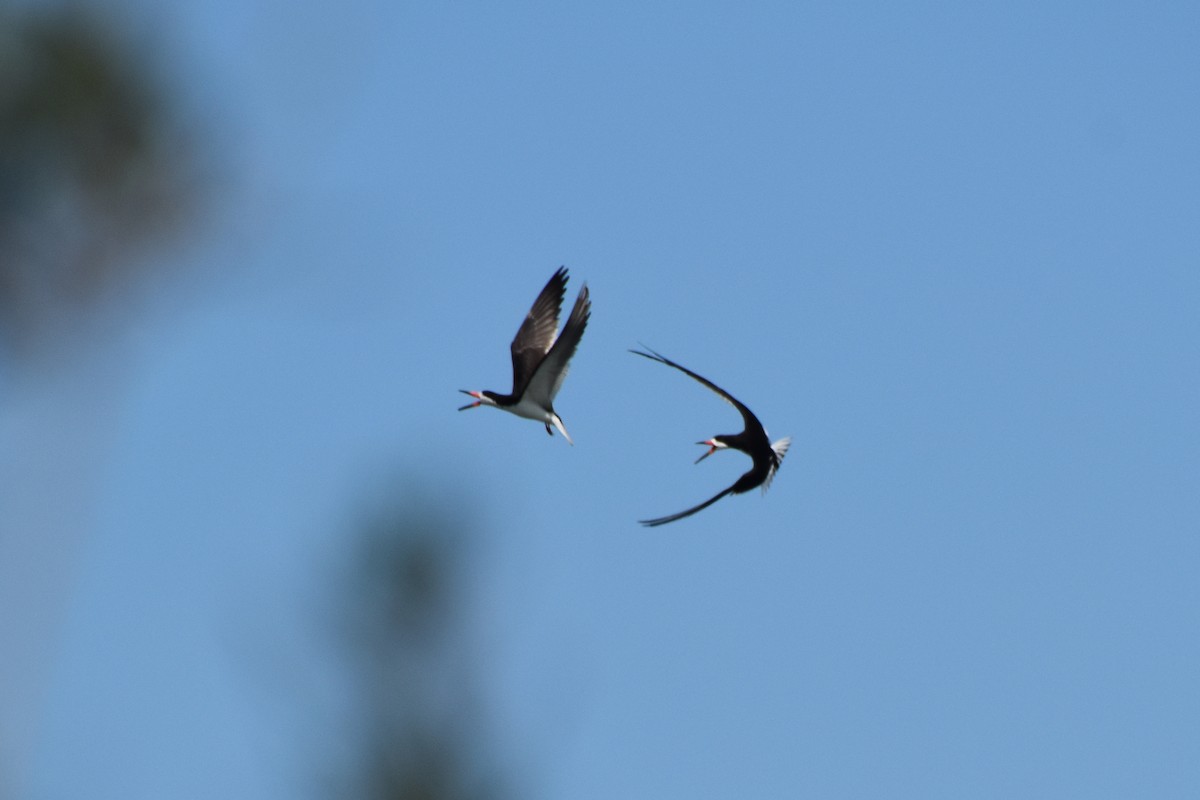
{"x":477,"y":402}
{"x":712,"y":448}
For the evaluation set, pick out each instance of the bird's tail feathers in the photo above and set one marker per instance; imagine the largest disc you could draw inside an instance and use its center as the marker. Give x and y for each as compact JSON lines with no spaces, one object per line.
{"x":780,"y":448}
{"x":558,"y":423}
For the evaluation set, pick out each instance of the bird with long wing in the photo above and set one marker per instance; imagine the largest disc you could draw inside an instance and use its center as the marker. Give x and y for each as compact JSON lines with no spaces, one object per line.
{"x":753,"y":441}
{"x":540,"y":361}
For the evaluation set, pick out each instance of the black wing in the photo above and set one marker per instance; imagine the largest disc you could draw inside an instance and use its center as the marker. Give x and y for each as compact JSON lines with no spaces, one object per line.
{"x":748,"y":417}
{"x":536,"y":333}
{"x":650,"y":523}
{"x":548,"y":376}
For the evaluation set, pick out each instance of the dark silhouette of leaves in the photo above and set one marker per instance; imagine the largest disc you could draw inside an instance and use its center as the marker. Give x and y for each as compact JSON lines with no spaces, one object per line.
{"x":93,"y":164}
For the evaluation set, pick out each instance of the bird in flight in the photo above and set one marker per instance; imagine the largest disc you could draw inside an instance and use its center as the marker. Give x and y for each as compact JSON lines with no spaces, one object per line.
{"x":752,"y":441}
{"x":540,"y":361}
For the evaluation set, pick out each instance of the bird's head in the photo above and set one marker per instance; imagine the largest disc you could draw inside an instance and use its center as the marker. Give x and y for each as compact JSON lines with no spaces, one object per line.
{"x":484,"y":398}
{"x":714,"y":444}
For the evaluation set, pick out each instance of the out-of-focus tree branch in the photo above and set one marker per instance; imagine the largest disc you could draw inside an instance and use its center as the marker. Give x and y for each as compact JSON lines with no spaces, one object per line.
{"x":94,"y":169}
{"x":93,"y":164}
{"x":409,"y":657}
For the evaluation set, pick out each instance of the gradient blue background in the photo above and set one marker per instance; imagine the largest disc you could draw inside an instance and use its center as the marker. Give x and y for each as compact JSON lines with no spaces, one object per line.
{"x":952,"y":250}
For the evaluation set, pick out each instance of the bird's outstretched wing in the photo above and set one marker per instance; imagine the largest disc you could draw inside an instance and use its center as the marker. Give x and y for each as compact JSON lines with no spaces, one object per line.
{"x":748,"y":417}
{"x":650,"y":523}
{"x":548,"y":376}
{"x":536,"y":334}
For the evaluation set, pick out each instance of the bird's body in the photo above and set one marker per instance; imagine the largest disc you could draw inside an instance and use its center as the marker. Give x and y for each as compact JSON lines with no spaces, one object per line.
{"x":753,"y":441}
{"x":540,"y":360}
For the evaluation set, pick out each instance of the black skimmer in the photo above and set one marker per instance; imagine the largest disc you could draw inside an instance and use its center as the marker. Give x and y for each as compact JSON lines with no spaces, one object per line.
{"x":539,"y":360}
{"x":752,"y":441}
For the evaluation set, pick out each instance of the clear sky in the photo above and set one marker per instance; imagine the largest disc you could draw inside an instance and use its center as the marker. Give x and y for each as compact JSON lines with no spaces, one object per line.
{"x":952,"y":250}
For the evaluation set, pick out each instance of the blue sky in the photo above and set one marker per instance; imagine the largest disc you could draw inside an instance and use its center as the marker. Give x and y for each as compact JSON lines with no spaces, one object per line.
{"x":951,"y":250}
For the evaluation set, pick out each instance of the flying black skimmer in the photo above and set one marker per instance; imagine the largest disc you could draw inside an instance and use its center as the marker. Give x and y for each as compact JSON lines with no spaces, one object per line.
{"x":539,"y":360}
{"x":752,"y":441}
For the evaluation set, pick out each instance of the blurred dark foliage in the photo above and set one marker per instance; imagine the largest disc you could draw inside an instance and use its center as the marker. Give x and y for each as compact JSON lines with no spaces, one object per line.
{"x":92,"y":164}
{"x":416,"y":705}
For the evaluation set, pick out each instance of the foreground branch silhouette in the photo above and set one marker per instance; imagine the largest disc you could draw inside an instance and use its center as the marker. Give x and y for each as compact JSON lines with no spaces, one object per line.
{"x":415,"y":682}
